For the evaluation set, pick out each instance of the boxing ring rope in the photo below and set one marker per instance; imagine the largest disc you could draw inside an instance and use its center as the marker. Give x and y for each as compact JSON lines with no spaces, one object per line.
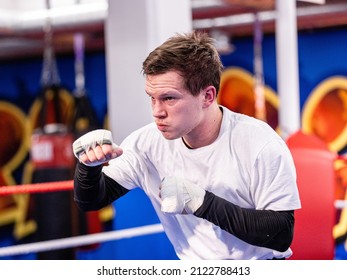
{"x":68,"y":242}
{"x":37,"y":188}
{"x":340,"y":204}
{"x":77,"y":241}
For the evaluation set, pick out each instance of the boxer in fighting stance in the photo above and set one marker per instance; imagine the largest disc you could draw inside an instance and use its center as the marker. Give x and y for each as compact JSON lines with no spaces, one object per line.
{"x":223,"y":184}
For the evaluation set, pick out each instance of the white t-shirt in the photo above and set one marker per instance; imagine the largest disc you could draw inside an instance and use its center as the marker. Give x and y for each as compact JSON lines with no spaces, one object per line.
{"x":249,"y":165}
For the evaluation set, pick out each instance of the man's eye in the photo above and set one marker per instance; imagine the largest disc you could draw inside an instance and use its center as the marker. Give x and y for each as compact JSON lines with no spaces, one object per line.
{"x":169,"y":98}
{"x":152,"y":99}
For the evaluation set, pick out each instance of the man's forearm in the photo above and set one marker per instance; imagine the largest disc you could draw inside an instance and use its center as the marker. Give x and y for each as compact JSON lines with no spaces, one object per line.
{"x":264,"y":228}
{"x":94,"y":190}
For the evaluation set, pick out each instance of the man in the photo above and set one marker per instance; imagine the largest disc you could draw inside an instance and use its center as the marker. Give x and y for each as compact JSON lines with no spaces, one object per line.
{"x":223,"y":184}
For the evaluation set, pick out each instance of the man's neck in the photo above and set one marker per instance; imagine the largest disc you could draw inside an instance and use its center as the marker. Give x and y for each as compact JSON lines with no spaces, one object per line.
{"x":207,"y":133}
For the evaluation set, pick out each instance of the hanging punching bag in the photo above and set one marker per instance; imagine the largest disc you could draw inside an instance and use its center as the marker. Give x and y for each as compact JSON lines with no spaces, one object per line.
{"x":84,"y":120}
{"x":51,"y":154}
{"x":52,"y":161}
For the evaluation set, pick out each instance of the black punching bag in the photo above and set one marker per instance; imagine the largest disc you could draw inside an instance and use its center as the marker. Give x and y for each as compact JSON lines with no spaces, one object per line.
{"x":52,"y":161}
{"x":51,"y":155}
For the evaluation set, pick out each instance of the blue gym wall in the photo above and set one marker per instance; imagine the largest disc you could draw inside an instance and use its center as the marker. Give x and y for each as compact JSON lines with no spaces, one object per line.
{"x":321,"y":54}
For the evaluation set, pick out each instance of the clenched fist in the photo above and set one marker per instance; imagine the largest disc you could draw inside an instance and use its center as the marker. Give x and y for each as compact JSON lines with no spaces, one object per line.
{"x":180,"y":196}
{"x":96,"y":147}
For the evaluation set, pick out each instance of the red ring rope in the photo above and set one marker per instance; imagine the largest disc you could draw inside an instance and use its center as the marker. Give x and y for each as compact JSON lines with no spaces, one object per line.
{"x":37,"y":188}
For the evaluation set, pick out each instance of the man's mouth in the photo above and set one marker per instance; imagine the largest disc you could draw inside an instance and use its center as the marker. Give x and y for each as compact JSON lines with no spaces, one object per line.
{"x":161,"y":127}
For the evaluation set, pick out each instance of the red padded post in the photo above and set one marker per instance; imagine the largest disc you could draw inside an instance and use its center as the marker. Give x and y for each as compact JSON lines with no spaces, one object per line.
{"x":314,"y":222}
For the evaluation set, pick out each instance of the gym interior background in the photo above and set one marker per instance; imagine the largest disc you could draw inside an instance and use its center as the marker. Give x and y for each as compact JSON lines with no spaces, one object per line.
{"x":26,"y":104}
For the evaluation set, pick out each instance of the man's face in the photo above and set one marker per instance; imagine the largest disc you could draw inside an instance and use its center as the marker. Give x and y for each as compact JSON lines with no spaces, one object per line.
{"x":176,"y":112}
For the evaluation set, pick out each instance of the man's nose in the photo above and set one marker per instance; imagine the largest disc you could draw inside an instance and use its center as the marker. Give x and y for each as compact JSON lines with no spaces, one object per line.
{"x":158,"y":110}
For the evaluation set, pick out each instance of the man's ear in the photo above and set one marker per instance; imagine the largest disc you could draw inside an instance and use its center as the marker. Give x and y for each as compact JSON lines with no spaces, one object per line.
{"x":210,"y":95}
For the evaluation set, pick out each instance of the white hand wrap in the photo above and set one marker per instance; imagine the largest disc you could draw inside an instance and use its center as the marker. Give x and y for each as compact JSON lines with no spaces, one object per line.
{"x":180,"y":196}
{"x":91,"y":140}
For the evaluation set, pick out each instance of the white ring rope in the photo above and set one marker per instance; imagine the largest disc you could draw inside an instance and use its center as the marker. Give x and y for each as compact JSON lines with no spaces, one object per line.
{"x":340,"y":204}
{"x":79,"y":240}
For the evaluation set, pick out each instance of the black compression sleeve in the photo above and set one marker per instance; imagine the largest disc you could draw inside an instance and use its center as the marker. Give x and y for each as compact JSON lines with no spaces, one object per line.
{"x":94,"y":190}
{"x":264,"y":228}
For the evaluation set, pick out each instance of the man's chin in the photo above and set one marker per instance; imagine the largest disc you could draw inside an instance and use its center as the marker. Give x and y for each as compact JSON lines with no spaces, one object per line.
{"x":168,"y":136}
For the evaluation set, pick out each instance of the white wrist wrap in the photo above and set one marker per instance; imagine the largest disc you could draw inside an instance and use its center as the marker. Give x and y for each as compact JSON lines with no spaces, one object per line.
{"x":91,"y":140}
{"x":180,"y":196}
